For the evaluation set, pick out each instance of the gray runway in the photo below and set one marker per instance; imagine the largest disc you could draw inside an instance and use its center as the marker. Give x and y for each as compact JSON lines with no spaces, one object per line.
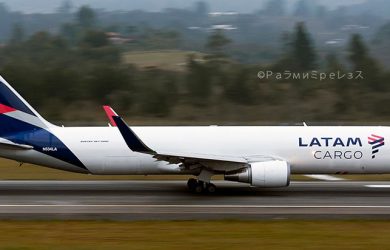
{"x":143,"y":200}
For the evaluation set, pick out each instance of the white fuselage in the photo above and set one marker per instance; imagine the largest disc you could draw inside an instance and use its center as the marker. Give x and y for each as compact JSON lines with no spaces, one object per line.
{"x":308,"y":150}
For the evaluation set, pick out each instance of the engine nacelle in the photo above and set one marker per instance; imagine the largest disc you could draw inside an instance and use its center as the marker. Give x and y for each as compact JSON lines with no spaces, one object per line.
{"x":269,"y":174}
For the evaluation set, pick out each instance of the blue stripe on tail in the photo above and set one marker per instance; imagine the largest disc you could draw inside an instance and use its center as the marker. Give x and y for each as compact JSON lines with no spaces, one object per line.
{"x":42,"y":140}
{"x":7,"y":97}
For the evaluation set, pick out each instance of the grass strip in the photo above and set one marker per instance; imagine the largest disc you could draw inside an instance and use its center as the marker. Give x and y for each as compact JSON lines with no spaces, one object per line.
{"x":195,"y":235}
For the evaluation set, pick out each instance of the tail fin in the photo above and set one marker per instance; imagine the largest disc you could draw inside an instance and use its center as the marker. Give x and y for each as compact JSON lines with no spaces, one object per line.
{"x":12,"y":105}
{"x":22,"y":128}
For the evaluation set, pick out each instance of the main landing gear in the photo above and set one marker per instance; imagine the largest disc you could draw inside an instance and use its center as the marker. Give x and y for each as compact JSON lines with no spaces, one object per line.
{"x":198,"y":186}
{"x":202,"y":184}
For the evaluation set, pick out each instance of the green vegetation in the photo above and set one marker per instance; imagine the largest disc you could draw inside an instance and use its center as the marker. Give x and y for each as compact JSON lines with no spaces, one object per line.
{"x":68,"y":75}
{"x":170,"y":60}
{"x":302,"y":50}
{"x":217,"y":42}
{"x":195,"y":235}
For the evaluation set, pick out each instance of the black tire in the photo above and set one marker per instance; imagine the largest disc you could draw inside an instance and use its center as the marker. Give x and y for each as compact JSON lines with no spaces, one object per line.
{"x":211,"y":188}
{"x":199,"y":187}
{"x":191,"y":184}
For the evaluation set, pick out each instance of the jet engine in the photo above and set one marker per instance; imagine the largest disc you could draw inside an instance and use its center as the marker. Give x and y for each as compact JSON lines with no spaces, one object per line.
{"x":270,"y":174}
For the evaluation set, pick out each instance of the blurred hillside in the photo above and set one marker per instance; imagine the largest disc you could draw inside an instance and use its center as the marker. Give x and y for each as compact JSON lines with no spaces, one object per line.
{"x":246,"y":6}
{"x":257,"y":34}
{"x":193,"y":66}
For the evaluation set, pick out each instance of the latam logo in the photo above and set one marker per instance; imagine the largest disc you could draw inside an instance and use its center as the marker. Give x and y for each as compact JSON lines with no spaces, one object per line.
{"x":376,"y":142}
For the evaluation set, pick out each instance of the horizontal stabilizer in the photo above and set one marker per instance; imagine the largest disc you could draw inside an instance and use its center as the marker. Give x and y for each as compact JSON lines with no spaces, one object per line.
{"x":11,"y":145}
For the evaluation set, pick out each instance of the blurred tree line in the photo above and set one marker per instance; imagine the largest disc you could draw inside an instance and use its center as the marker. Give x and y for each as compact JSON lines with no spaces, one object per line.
{"x":256,"y":35}
{"x":68,"y":76}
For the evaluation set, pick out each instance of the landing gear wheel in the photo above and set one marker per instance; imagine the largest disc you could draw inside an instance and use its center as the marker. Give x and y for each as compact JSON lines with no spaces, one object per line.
{"x":211,"y":188}
{"x":199,"y":187}
{"x":191,"y":184}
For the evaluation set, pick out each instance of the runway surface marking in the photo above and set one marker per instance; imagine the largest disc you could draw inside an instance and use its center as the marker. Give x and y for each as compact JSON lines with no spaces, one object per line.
{"x":324,"y":177}
{"x":191,"y":206}
{"x":139,"y":200}
{"x":378,"y":186}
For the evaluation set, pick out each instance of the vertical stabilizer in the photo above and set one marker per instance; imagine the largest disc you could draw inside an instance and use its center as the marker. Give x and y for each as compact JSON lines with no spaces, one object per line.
{"x":12,"y":105}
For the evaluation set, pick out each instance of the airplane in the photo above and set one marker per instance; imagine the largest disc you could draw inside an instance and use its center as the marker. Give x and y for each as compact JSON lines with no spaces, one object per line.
{"x":262,"y":156}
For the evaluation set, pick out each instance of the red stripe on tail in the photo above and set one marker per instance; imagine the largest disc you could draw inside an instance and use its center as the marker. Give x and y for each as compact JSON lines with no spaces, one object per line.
{"x":110,"y":113}
{"x":6,"y":109}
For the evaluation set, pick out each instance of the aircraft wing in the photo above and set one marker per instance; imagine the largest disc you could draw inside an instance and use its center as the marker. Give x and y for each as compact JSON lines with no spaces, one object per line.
{"x":216,"y":163}
{"x":11,"y":145}
{"x":110,"y":114}
{"x":213,"y":162}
